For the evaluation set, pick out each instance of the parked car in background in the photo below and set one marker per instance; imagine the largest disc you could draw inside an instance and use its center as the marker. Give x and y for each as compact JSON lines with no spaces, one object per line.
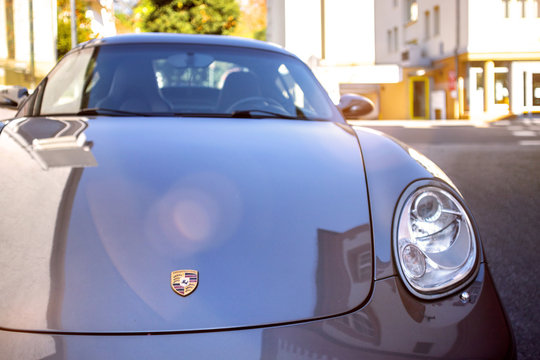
{"x":10,"y":97}
{"x":201,"y":197}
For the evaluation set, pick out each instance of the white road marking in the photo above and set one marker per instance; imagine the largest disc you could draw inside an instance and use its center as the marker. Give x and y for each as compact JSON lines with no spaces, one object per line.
{"x":529,"y":143}
{"x":524,"y":133}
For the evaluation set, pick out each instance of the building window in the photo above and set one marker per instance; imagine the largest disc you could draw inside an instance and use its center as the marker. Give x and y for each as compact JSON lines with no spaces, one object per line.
{"x":506,"y":4}
{"x":437,"y":21}
{"x":411,"y":9}
{"x":392,"y":40}
{"x":537,"y":8}
{"x":395,"y":3}
{"x":427,"y":25}
{"x":10,"y":35}
{"x":395,"y":39}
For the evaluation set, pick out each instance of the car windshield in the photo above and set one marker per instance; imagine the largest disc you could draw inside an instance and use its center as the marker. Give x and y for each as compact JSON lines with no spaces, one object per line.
{"x":183,"y":80}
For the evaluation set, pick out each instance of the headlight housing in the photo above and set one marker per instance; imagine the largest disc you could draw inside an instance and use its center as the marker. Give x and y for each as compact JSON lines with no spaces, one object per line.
{"x":434,"y":240}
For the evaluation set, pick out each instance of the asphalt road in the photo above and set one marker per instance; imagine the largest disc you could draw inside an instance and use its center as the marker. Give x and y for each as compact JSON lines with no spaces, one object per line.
{"x":497,"y":169}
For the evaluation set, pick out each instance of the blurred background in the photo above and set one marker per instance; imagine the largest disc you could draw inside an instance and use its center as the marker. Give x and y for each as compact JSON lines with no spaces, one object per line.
{"x":459,"y":80}
{"x":416,"y":59}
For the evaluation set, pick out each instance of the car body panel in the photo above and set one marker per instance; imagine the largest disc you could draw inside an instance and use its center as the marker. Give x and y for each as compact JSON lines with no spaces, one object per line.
{"x":393,"y":325}
{"x":288,"y":222}
{"x":261,"y":208}
{"x":164,"y":38}
{"x":390,"y":167}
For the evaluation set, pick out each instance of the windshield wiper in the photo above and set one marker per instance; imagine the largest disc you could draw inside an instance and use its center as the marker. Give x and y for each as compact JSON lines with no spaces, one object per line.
{"x":104,"y":111}
{"x":263,"y":113}
{"x":249,"y":114}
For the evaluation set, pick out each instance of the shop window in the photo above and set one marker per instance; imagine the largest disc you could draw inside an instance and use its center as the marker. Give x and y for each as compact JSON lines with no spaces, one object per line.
{"x":480,"y":81}
{"x":536,"y":89}
{"x":501,"y":86}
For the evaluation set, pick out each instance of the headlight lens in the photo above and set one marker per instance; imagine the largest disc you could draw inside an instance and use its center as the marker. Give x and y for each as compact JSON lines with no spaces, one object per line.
{"x":435,"y":243}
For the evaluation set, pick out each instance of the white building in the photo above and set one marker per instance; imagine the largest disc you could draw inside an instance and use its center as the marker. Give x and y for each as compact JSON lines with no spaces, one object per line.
{"x":462,"y":58}
{"x":17,"y":35}
{"x":336,"y":39}
{"x":28,"y":48}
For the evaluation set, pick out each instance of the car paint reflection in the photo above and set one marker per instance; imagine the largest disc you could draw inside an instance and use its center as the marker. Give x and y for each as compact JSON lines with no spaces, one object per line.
{"x":54,"y":142}
{"x":349,"y":255}
{"x":391,"y":325}
{"x":396,"y":325}
{"x":214,"y":206}
{"x":383,"y":329}
{"x":53,"y":158}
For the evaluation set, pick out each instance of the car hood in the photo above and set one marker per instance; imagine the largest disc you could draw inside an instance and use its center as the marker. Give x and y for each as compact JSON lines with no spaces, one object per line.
{"x":98,"y":213}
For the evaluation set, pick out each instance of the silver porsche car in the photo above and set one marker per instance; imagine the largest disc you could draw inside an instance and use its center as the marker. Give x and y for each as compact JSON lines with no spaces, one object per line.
{"x":200,"y":197}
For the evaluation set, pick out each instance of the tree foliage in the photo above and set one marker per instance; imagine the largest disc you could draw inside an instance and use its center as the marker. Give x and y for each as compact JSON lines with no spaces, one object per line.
{"x":252,"y":22}
{"x":217,"y":17}
{"x":84,"y":32}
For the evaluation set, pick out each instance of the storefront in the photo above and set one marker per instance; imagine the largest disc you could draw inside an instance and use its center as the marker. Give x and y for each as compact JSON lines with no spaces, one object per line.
{"x":499,"y":88}
{"x":525,"y":86}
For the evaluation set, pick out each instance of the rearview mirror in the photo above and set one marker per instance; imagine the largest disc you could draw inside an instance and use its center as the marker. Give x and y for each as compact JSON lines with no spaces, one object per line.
{"x":12,"y":96}
{"x":353,"y":106}
{"x":182,"y":60}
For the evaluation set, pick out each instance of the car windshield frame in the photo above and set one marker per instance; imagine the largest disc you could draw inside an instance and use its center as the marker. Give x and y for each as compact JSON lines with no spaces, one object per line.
{"x":191,"y":81}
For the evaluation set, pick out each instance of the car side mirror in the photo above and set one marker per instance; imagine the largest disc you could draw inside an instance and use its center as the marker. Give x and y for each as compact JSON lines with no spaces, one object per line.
{"x":12,"y":96}
{"x":353,"y":106}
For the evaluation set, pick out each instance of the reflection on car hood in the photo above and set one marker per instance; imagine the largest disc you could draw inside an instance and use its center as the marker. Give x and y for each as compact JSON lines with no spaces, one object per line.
{"x":98,"y":213}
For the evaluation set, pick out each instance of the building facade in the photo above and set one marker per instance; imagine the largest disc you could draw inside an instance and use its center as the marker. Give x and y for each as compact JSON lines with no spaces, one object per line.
{"x":28,"y":37}
{"x":28,"y":31}
{"x":477,"y":59}
{"x":337,"y":40}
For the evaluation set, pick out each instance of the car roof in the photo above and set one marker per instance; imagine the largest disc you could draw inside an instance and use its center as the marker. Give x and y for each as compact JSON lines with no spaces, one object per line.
{"x":169,"y":38}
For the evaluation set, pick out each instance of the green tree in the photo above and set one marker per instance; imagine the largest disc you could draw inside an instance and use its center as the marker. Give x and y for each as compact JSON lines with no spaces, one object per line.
{"x":84,"y":32}
{"x":217,"y":17}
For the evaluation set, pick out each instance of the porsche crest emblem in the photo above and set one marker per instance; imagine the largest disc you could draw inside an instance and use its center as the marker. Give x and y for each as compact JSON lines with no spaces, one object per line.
{"x":184,"y":282}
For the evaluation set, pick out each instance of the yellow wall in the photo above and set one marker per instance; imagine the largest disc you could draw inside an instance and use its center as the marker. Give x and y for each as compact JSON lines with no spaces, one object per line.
{"x":394,"y":101}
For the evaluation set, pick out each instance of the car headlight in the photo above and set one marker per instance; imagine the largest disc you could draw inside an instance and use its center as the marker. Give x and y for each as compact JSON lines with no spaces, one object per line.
{"x":434,"y":241}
